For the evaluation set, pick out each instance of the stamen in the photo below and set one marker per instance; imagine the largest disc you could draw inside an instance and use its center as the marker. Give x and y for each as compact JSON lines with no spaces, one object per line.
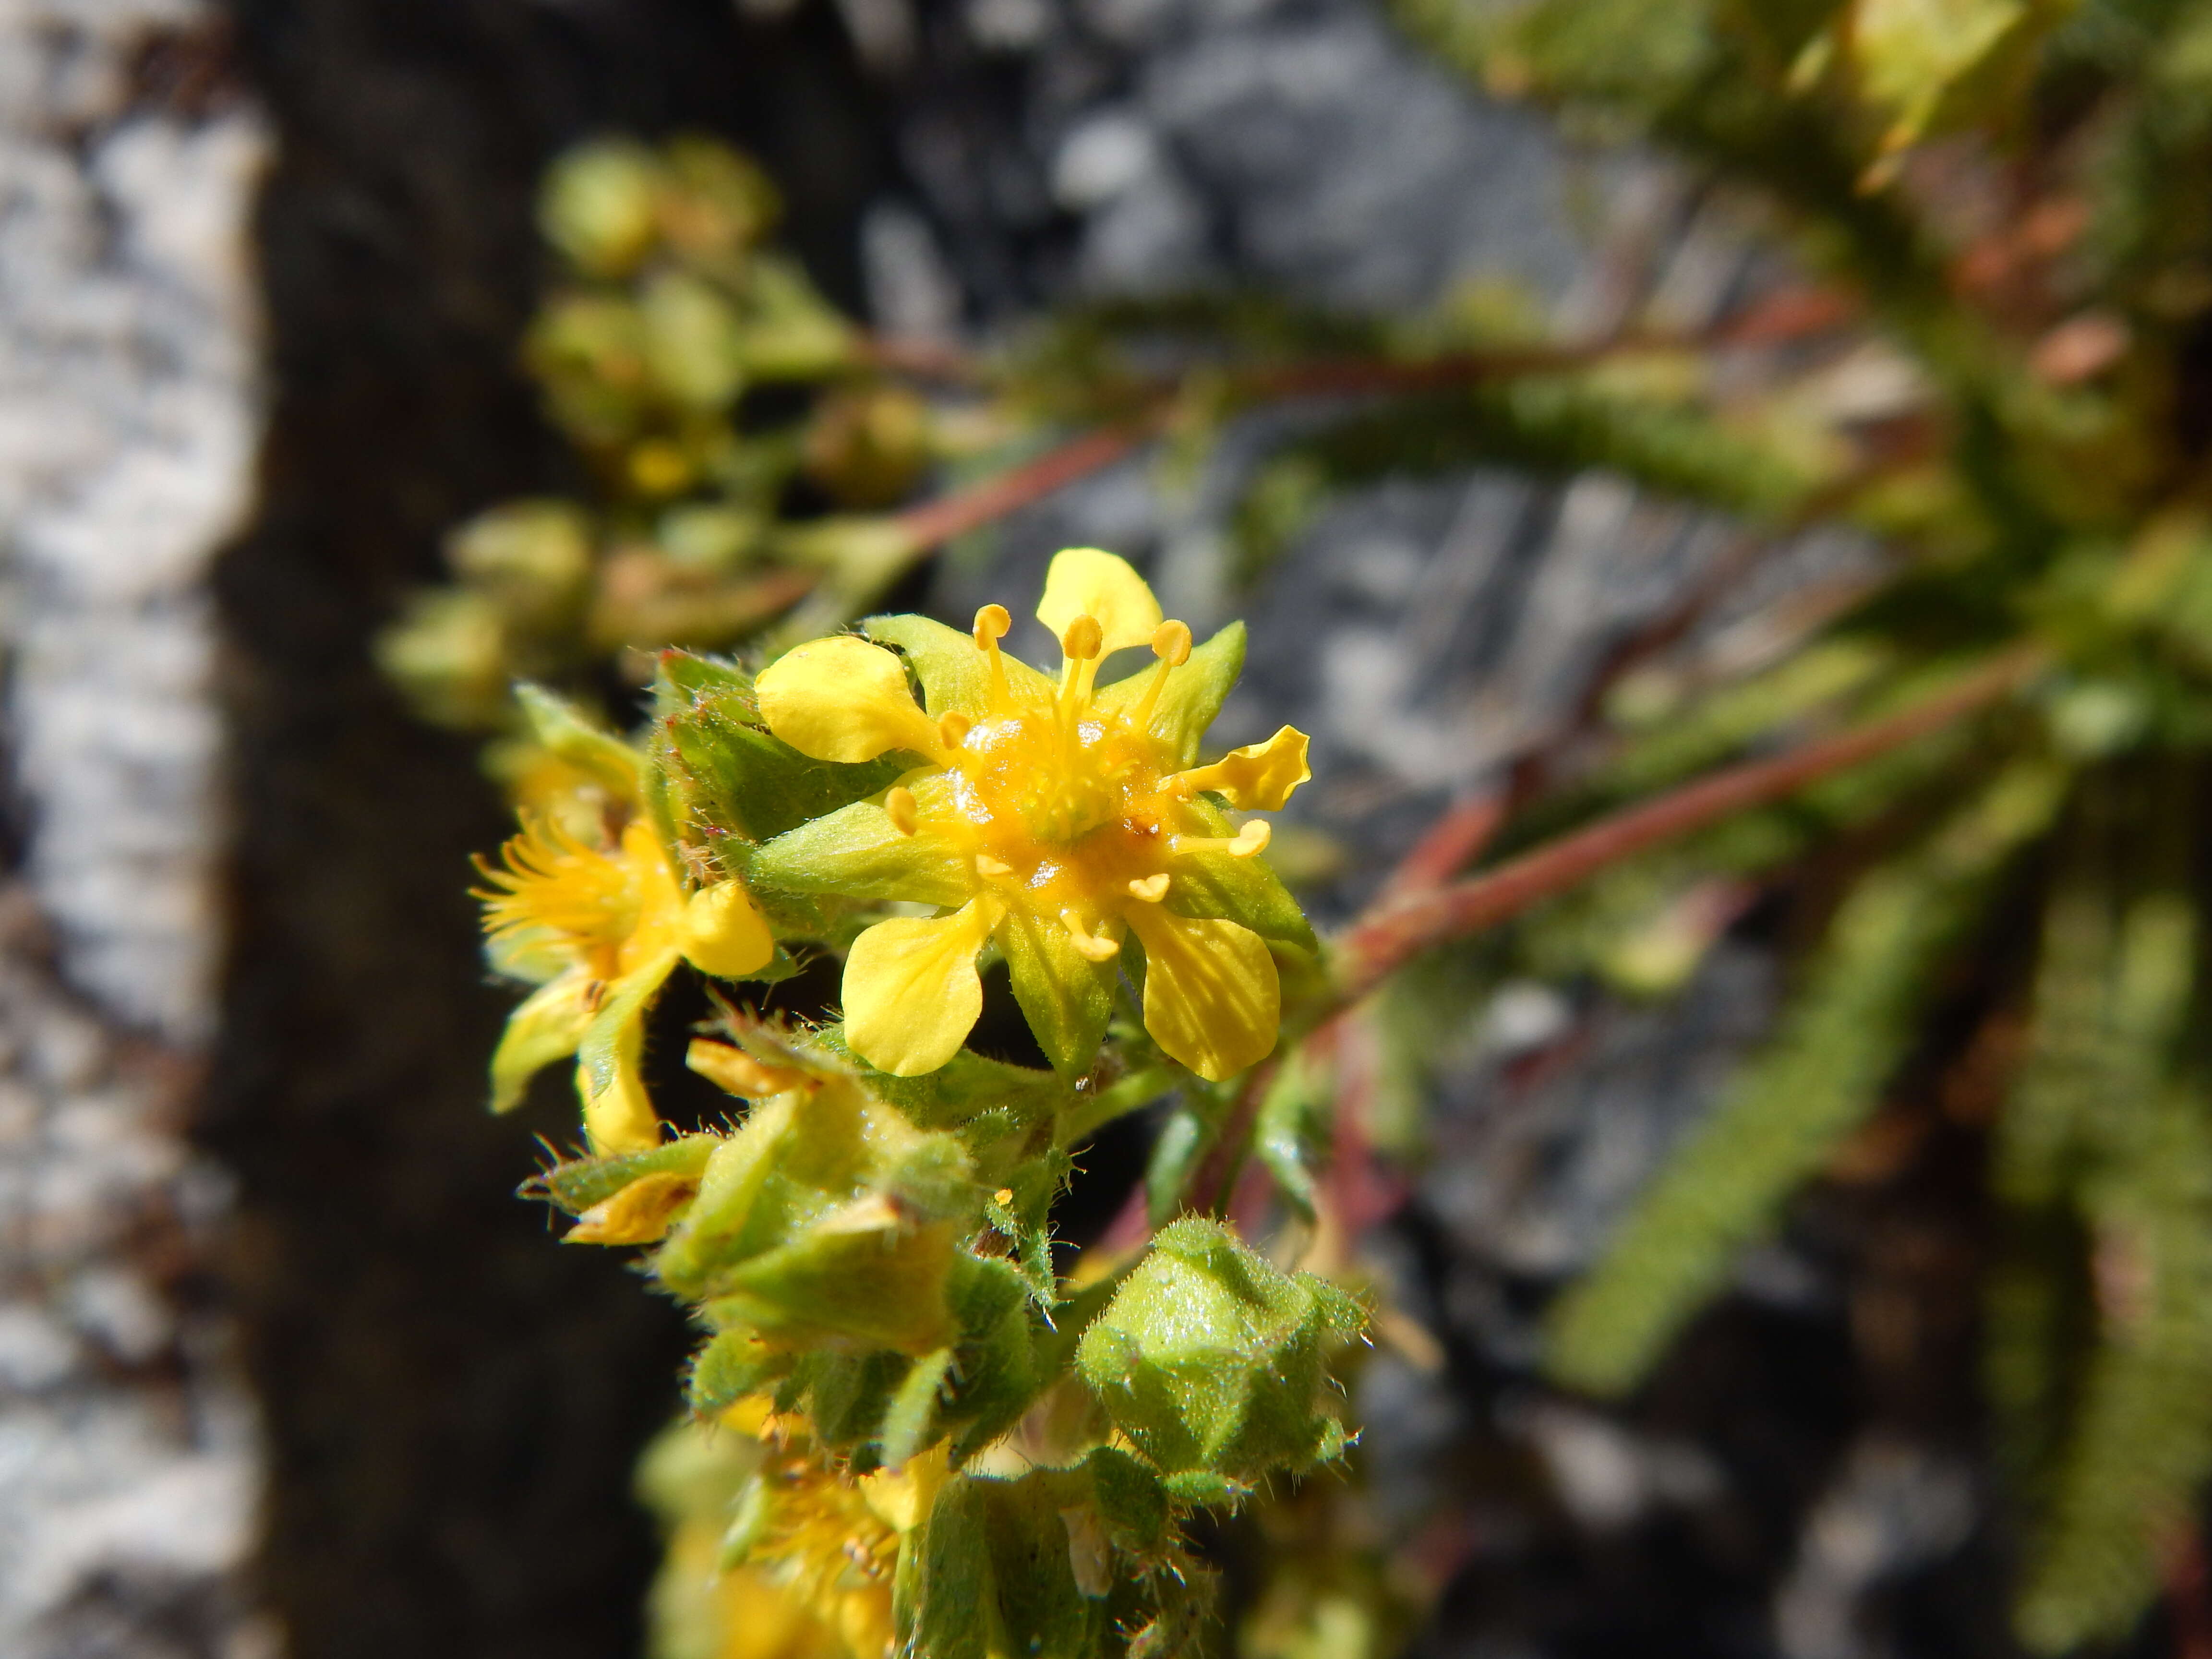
{"x":1171,"y":645}
{"x":1251,"y":839}
{"x":954,"y":727}
{"x":1151,"y":889}
{"x":992,"y":623}
{"x":1079,"y":646}
{"x":899,"y":807}
{"x":990,"y":868}
{"x":1088,"y":946}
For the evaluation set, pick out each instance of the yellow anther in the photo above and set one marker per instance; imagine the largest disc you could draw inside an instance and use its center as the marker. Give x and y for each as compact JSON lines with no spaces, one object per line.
{"x":899,"y":807}
{"x":1171,"y":645}
{"x":1004,"y":1195}
{"x":1151,"y":888}
{"x":992,"y":623}
{"x":1092,"y":947}
{"x":992,"y":869}
{"x":1083,"y":639}
{"x":954,"y":727}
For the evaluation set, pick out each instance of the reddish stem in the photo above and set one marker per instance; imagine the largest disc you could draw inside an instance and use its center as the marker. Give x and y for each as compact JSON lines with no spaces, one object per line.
{"x":1454,"y":841}
{"x":1398,"y":929}
{"x":1010,"y":491}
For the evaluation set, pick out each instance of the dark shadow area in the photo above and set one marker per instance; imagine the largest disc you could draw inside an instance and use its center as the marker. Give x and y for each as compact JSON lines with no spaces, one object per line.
{"x":452,"y":1405}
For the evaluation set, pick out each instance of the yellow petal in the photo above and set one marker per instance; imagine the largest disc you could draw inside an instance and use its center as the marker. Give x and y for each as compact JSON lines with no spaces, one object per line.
{"x":912,"y":993}
{"x":1087,"y":581}
{"x":1211,"y":999}
{"x":547,"y":1026}
{"x":618,"y":1114}
{"x":620,"y":1117}
{"x":842,"y":699}
{"x":639,"y":1214}
{"x":723,"y":932}
{"x":1258,"y":777}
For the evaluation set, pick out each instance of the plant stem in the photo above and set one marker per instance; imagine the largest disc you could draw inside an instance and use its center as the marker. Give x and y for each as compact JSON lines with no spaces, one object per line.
{"x":1403,"y":925}
{"x":1022,"y":486}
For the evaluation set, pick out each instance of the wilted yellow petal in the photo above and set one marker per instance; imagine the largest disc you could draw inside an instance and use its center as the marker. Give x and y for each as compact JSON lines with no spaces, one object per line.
{"x":1212,"y":998}
{"x":731,"y":1068}
{"x":639,"y":1214}
{"x":620,"y":1117}
{"x":1258,"y":777}
{"x":912,"y":993}
{"x":547,"y":1026}
{"x":1088,"y":581}
{"x":843,"y":699}
{"x":723,"y":932}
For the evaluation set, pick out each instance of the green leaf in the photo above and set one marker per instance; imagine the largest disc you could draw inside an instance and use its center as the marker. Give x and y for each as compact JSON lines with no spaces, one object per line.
{"x":1844,"y":1035}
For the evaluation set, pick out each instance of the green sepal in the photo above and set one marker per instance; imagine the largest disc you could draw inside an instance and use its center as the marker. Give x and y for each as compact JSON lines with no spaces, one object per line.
{"x":1066,"y":998}
{"x":1203,"y":1489}
{"x":827,"y":1219}
{"x":1131,"y":1499}
{"x":911,"y":1417}
{"x":615,"y":1040}
{"x":1193,"y":696}
{"x":877,"y":1287}
{"x":732,"y":1364}
{"x":579,"y":1184}
{"x":999,"y":1375}
{"x":954,"y":674}
{"x":1246,"y":891}
{"x":854,"y":851}
{"x":959,"y":1093}
{"x":740,"y":778}
{"x":996,"y":1575}
{"x":1209,"y":1359}
{"x":560,"y":726}
{"x":545,"y":1026}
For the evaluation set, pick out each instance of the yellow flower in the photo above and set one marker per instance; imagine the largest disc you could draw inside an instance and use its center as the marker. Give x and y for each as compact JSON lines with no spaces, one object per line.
{"x":1054,"y":817}
{"x":598,"y":929}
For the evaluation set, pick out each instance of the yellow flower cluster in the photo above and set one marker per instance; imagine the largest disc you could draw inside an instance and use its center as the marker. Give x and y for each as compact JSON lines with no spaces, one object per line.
{"x":599,"y":929}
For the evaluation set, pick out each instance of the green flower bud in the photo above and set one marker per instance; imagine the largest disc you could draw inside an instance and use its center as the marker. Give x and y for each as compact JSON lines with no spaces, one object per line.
{"x":598,"y":206}
{"x":1211,"y":1360}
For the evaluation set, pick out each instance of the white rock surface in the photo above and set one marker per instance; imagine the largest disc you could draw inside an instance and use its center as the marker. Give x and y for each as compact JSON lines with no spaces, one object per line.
{"x":129,"y":418}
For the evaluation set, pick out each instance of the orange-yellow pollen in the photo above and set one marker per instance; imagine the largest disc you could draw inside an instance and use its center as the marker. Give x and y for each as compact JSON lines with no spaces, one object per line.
{"x":899,"y":807}
{"x":954,"y":727}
